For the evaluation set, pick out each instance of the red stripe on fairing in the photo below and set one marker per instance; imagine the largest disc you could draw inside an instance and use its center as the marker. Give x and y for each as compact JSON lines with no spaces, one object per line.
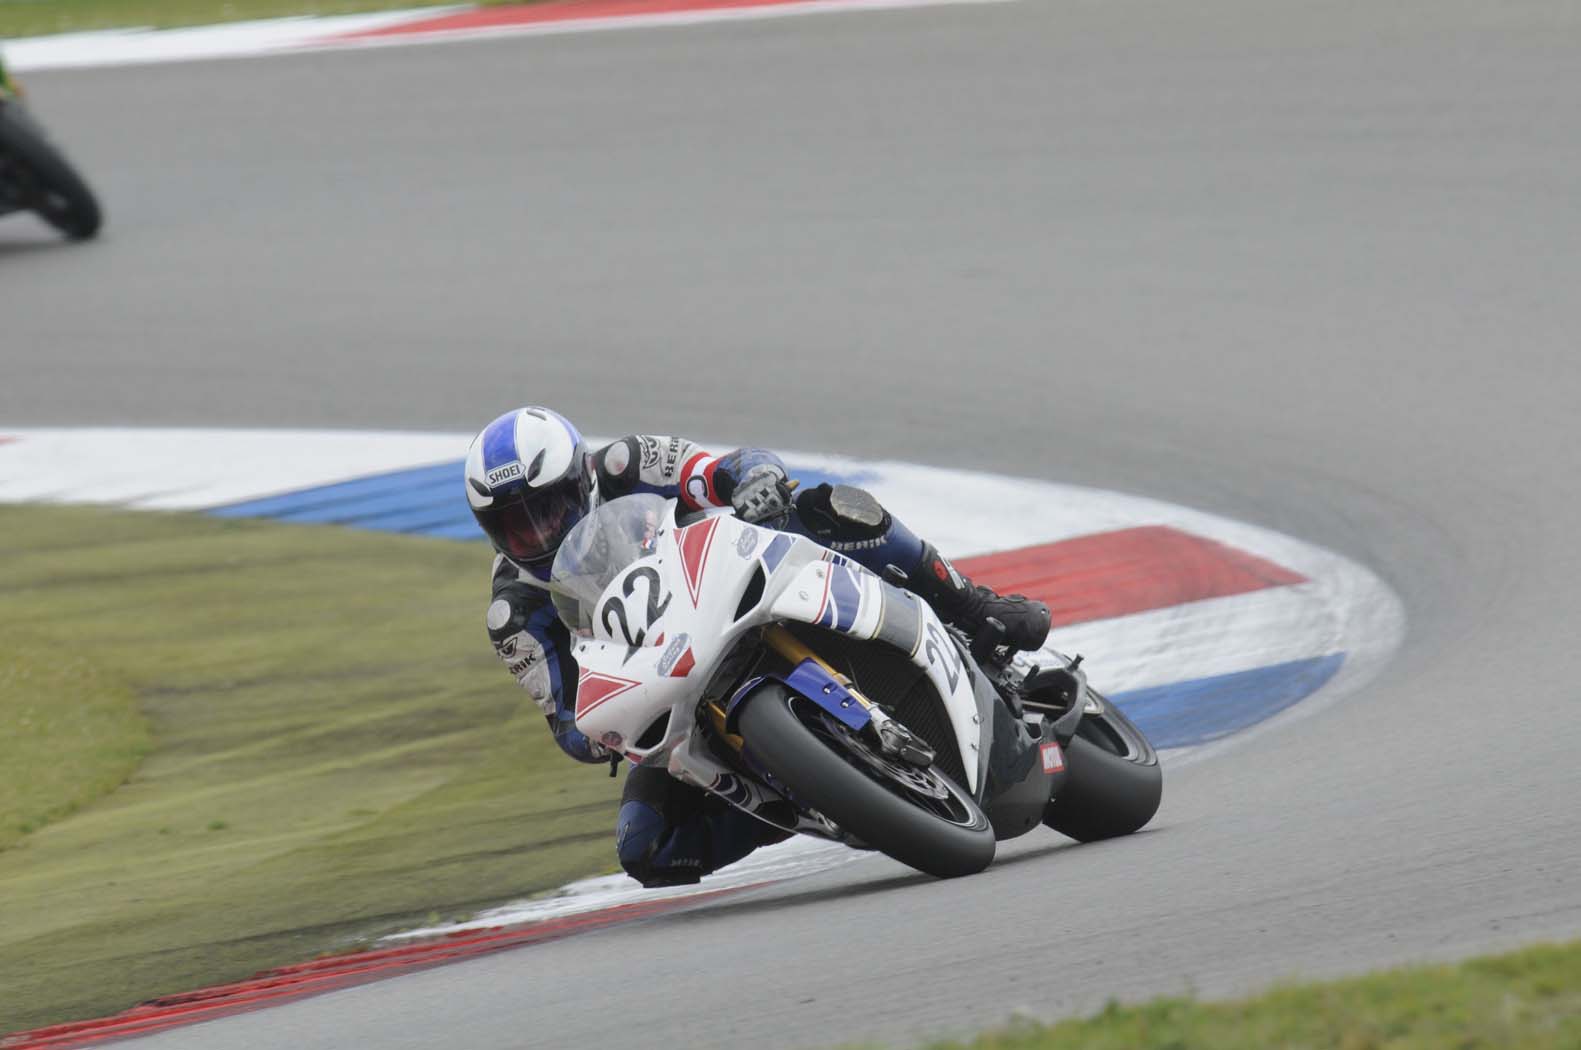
{"x":695,"y":541}
{"x":1113,"y":574}
{"x":823,"y":604}
{"x":331,"y":974}
{"x":593,"y":689}
{"x":504,"y":17}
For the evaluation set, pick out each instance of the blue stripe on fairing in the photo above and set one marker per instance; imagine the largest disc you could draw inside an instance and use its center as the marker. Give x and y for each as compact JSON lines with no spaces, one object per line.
{"x":499,"y":442}
{"x":1204,"y":709}
{"x":426,"y":501}
{"x":775,"y":552}
{"x":846,"y":595}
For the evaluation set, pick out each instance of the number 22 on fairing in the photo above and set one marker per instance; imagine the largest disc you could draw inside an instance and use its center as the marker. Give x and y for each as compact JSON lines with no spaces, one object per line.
{"x":614,"y":610}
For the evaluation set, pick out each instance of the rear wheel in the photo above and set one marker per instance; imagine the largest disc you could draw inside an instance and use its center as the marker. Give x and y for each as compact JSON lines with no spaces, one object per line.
{"x":1113,"y":783}
{"x":37,"y":177}
{"x":919,"y":817}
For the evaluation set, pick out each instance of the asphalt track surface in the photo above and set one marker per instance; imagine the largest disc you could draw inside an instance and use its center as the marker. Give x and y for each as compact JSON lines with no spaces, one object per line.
{"x":1314,"y":266}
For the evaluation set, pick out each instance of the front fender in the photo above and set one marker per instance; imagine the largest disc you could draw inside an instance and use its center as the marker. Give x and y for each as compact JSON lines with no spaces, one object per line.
{"x":839,"y":595}
{"x":810,"y":680}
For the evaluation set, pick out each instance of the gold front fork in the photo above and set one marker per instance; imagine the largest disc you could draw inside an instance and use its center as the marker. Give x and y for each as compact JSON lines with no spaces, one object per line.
{"x":792,"y":649}
{"x":776,"y":637}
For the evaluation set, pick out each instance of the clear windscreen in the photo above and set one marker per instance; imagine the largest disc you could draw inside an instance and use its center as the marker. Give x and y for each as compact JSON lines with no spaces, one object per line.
{"x":601,"y":546}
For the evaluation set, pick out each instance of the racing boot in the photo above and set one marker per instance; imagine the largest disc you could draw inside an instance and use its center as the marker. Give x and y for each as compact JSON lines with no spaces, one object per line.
{"x":970,"y":606}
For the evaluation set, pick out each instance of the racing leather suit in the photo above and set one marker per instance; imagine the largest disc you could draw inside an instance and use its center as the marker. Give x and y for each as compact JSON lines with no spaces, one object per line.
{"x":668,"y":832}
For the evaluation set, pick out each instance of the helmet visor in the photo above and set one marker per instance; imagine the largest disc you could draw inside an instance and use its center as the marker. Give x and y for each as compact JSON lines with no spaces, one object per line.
{"x":527,"y":527}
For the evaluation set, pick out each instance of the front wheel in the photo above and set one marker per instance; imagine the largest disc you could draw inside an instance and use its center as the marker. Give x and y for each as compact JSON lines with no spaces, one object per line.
{"x":34,"y":175}
{"x":919,"y":817}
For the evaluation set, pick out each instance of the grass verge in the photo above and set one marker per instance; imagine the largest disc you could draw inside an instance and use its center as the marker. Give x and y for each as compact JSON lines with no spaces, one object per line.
{"x":20,"y":18}
{"x":1525,"y":1000}
{"x":68,"y":734}
{"x":333,"y":752}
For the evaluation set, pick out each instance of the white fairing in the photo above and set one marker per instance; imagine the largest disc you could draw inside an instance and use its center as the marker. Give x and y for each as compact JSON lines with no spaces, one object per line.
{"x":654,"y":637}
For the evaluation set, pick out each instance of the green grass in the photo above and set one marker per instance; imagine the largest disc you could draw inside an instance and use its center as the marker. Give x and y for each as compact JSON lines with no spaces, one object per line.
{"x":1526,"y":1000}
{"x":68,"y":734}
{"x":329,"y":751}
{"x":37,"y":17}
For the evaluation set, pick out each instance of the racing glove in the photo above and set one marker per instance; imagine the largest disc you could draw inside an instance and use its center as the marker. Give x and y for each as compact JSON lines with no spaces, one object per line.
{"x":763,"y":497}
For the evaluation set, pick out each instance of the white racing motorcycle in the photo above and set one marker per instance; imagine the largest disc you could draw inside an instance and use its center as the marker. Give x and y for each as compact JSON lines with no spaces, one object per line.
{"x":822,"y":699}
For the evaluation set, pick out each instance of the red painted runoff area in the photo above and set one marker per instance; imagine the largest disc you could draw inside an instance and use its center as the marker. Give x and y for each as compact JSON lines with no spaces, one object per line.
{"x":1111,"y":574}
{"x":331,"y":974}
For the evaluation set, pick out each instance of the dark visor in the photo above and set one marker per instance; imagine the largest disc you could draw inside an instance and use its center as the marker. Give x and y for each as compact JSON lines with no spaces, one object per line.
{"x":528,"y":527}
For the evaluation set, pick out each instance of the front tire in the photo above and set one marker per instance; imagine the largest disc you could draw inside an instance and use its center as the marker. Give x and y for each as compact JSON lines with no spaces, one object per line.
{"x":48,"y":183}
{"x":802,"y":746}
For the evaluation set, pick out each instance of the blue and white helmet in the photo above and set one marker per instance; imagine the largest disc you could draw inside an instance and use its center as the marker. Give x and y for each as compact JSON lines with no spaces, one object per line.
{"x":529,"y":480}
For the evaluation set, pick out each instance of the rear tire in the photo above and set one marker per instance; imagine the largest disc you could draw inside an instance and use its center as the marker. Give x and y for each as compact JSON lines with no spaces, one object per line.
{"x":1113,"y":783}
{"x":861,"y":804}
{"x":58,"y":194}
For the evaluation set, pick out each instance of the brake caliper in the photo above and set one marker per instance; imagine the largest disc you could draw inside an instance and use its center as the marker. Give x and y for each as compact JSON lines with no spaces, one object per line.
{"x":899,"y":742}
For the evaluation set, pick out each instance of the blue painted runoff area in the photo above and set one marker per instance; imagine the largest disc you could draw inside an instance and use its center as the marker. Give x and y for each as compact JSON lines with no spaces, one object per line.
{"x":423,"y":501}
{"x":1186,"y":713}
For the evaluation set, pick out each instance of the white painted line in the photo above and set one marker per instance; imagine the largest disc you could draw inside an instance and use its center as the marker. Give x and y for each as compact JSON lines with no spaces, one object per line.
{"x":118,"y":47}
{"x":157,"y":469}
{"x":787,"y":860}
{"x":1202,"y":639}
{"x":274,"y":36}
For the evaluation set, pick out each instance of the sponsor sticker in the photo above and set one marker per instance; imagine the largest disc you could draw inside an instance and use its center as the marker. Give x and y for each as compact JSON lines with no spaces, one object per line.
{"x":1053,"y":757}
{"x":747,"y":543}
{"x":650,"y":451}
{"x":500,"y":475}
{"x":673,"y":651}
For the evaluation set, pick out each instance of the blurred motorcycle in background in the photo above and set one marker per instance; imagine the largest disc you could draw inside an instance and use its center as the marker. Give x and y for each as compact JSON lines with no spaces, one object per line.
{"x":35,"y":176}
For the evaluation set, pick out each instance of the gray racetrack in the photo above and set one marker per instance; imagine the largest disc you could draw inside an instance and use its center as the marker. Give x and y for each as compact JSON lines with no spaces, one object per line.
{"x":1312,"y":265}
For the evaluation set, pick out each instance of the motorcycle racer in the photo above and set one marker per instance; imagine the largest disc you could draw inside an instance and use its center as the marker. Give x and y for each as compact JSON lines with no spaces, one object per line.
{"x":530,"y":478}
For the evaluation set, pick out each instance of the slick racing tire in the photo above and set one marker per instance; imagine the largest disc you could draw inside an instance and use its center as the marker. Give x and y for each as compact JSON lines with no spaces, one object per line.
{"x":42,"y":179}
{"x":1113,"y":782}
{"x":918,"y":817}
